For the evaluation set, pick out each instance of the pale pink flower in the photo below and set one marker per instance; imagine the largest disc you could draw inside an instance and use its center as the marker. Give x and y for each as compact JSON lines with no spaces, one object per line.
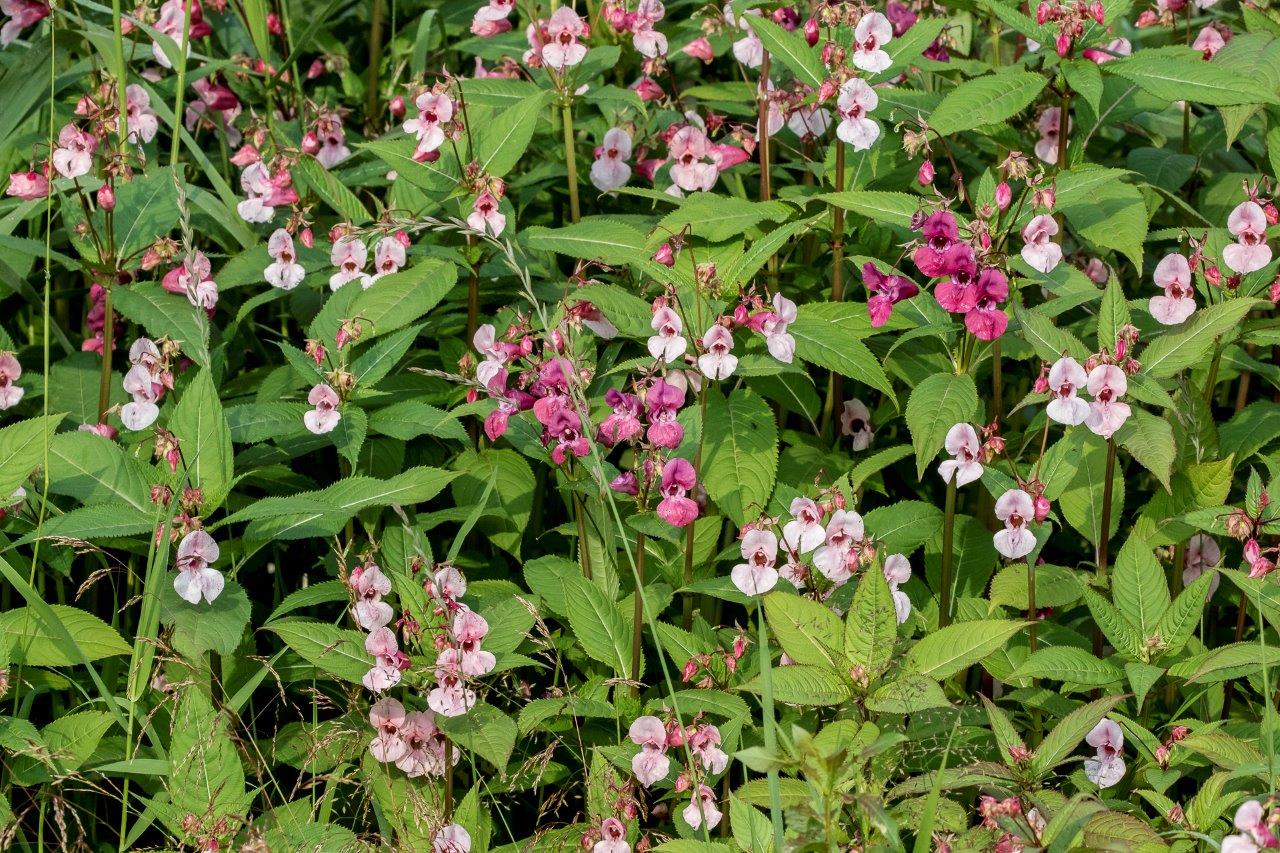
{"x":1202,"y":555}
{"x":844,"y":530}
{"x":142,"y":411}
{"x":452,"y":838}
{"x":193,"y":279}
{"x":21,"y":14}
{"x":804,"y":531}
{"x":704,"y":743}
{"x":1108,"y":767}
{"x":10,"y":372}
{"x":333,"y":141}
{"x":385,"y":672}
{"x":1015,"y":508}
{"x":485,"y":216}
{"x":869,"y":38}
{"x":1049,"y":125}
{"x":757,"y":575}
{"x":699,"y":48}
{"x":388,"y":257}
{"x":196,"y":580}
{"x":668,"y":343}
{"x":649,"y":42}
{"x":349,"y":255}
{"x":562,"y":49}
{"x":1209,"y":41}
{"x":1040,"y":252}
{"x":434,"y":111}
{"x":749,"y":50}
{"x":469,"y":630}
{"x":781,"y":344}
{"x":897,"y":571}
{"x":1251,"y":819}
{"x":141,"y":120}
{"x":718,"y":362}
{"x":648,"y":731}
{"x":451,"y":698}
{"x":1250,"y":252}
{"x":325,"y":416}
{"x":370,"y":584}
{"x":1107,"y":413}
{"x":28,"y":185}
{"x":689,"y":150}
{"x":1173,"y":273}
{"x":962,"y":443}
{"x":73,"y":155}
{"x":1066,"y":378}
{"x":388,"y":718}
{"x":423,"y":752}
{"x":613,"y":837}
{"x":809,"y":122}
{"x":856,"y":100}
{"x":855,"y":422}
{"x":610,"y":170}
{"x":702,"y":809}
{"x":284,"y":271}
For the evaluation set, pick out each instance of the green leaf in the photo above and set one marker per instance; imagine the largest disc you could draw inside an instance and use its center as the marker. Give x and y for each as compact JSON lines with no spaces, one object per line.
{"x":740,"y":268}
{"x":1149,"y":439}
{"x":936,"y":405}
{"x":1046,"y":339}
{"x":409,"y":419}
{"x":1068,"y":664}
{"x":1118,"y":631}
{"x":804,"y":685}
{"x":205,"y":440}
{"x":324,"y":183}
{"x":512,"y":493}
{"x":206,"y":778}
{"x":1113,"y":314}
{"x":598,"y":627}
{"x":904,"y":526}
{"x":1108,"y":830}
{"x":164,"y":314}
{"x":789,"y":48}
{"x":1178,"y":73}
{"x":740,"y":454}
{"x":1189,"y":344}
{"x":205,"y":627}
{"x":22,"y":450}
{"x":1067,"y":734}
{"x":829,"y":334}
{"x":484,"y":730}
{"x":106,"y":520}
{"x":809,"y":632}
{"x":1181,"y":619}
{"x":948,"y":650}
{"x":31,"y":640}
{"x":1233,"y":660}
{"x":501,"y":141}
{"x":95,"y":470}
{"x":327,"y":647}
{"x":1085,"y":79}
{"x":716,"y":218}
{"x":401,"y":298}
{"x":871,"y":626}
{"x":751,"y":829}
{"x":894,"y":208}
{"x":1138,"y":586}
{"x":146,"y":207}
{"x":1081,"y":501}
{"x":1104,"y":210}
{"x":986,"y":100}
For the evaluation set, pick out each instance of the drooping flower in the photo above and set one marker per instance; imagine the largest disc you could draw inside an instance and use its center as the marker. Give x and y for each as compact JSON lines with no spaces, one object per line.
{"x":325,"y":416}
{"x":1173,"y":273}
{"x":142,"y":411}
{"x":1203,"y":554}
{"x":452,"y":838}
{"x":562,"y":49}
{"x":986,"y":320}
{"x":73,"y":155}
{"x":704,"y":742}
{"x":140,"y":119}
{"x":369,"y":585}
{"x":886,"y":290}
{"x":388,"y":257}
{"x":855,"y":422}
{"x":1107,"y":413}
{"x":332,"y":138}
{"x":718,"y":362}
{"x":388,"y":718}
{"x":668,"y":343}
{"x":265,"y":192}
{"x":611,"y":170}
{"x":664,"y":401}
{"x":940,"y":232}
{"x":1040,"y":252}
{"x":651,"y":763}
{"x":424,"y":749}
{"x":856,"y":101}
{"x":897,"y":571}
{"x":623,"y":423}
{"x":1049,"y":126}
{"x":845,"y":529}
{"x":196,"y":579}
{"x":781,"y":344}
{"x":21,"y":14}
{"x":349,"y":255}
{"x":385,"y":672}
{"x":1015,"y":508}
{"x":435,"y":110}
{"x":809,"y":122}
{"x":869,"y":38}
{"x":28,"y":185}
{"x":1209,"y":41}
{"x":702,"y":809}
{"x":962,"y":443}
{"x":485,"y":216}
{"x":1248,"y":224}
{"x":613,"y":837}
{"x":804,"y":531}
{"x":1066,"y":378}
{"x":1107,"y":767}
{"x":1256,"y":832}
{"x":757,"y":575}
{"x":284,"y":270}
{"x":193,"y":279}
{"x":689,"y":151}
{"x":10,"y":372}
{"x":678,"y":479}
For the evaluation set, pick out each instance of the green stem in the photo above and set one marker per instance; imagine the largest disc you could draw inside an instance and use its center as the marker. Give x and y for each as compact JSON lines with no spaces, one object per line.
{"x":1104,"y":531}
{"x":108,"y":332}
{"x":770,"y":734}
{"x":835,"y":382}
{"x":175,"y":144}
{"x":637,"y":615}
{"x":584,"y":549}
{"x":948,"y":539}
{"x":570,"y":158}
{"x":375,"y":60}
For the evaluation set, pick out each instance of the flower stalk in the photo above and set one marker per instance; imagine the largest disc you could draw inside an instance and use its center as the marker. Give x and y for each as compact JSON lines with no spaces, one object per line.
{"x":948,"y":554}
{"x":570,"y":158}
{"x":637,"y":615}
{"x":770,"y":733}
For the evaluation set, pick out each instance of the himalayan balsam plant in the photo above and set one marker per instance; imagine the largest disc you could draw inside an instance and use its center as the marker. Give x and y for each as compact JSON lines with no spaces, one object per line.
{"x":617,"y":425}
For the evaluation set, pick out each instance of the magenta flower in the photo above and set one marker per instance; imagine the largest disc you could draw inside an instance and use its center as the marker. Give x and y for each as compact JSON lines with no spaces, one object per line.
{"x":886,"y":291}
{"x":678,"y":479}
{"x":562,"y":49}
{"x":668,"y":343}
{"x":73,"y":155}
{"x":349,"y":255}
{"x":855,"y":422}
{"x":452,"y":838}
{"x":987,"y":321}
{"x":718,"y":362}
{"x":10,"y":373}
{"x":28,"y":185}
{"x":962,"y":443}
{"x":1173,"y":273}
{"x":664,"y":401}
{"x":370,"y":584}
{"x":610,"y":170}
{"x":623,"y":424}
{"x":1066,"y":378}
{"x":1107,"y":767}
{"x":485,"y":216}
{"x":834,"y":559}
{"x":940,"y":232}
{"x":869,"y":38}
{"x":284,"y":271}
{"x":21,"y":14}
{"x":388,"y":718}
{"x":958,"y":294}
{"x":897,"y":571}
{"x":856,"y":100}
{"x":1250,"y":252}
{"x":192,"y":279}
{"x":325,"y":416}
{"x":196,"y":580}
{"x":900,"y":16}
{"x":1015,"y":508}
{"x":757,"y":575}
{"x":1040,"y":252}
{"x":1107,"y":413}
{"x":804,"y":531}
{"x":702,"y":809}
{"x":564,"y":427}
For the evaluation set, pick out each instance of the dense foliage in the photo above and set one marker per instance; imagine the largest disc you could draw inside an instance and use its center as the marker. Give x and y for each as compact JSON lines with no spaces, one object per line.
{"x":599,"y":425}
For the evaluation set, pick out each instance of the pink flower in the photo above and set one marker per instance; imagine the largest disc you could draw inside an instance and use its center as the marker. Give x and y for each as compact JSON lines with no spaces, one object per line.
{"x":1173,"y":273}
{"x":1115,"y":49}
{"x":424,"y":748}
{"x":451,"y":839}
{"x":1040,"y":252}
{"x":678,"y":479}
{"x":669,"y":342}
{"x":349,"y":255}
{"x":900,"y":16}
{"x":284,"y":271}
{"x":22,"y":14}
{"x":962,"y":443}
{"x":610,"y":170}
{"x":856,"y":100}
{"x":648,"y":731}
{"x":469,"y":630}
{"x":1049,"y":126}
{"x":265,"y":192}
{"x":689,"y":150}
{"x":485,"y":216}
{"x":749,"y":50}
{"x":648,"y":41}
{"x":664,"y":401}
{"x":388,"y":718}
{"x":325,"y":416}
{"x":333,"y":145}
{"x":1107,"y":768}
{"x":1250,"y":252}
{"x":757,"y":575}
{"x":780,"y":342}
{"x":897,"y":571}
{"x":196,"y":580}
{"x":173,"y":22}
{"x":1251,"y":820}
{"x":986,"y":320}
{"x":718,"y":362}
{"x":804,"y":531}
{"x":562,"y":49}
{"x":192,"y":280}
{"x":1015,"y":508}
{"x":28,"y":185}
{"x":142,"y":411}
{"x":855,"y":422}
{"x":869,"y":37}
{"x":623,"y":424}
{"x":1259,"y":565}
{"x":699,"y":48}
{"x":434,"y":111}
{"x":704,"y":743}
{"x":702,"y":809}
{"x":844,"y":530}
{"x":650,"y":764}
{"x":369,"y":585}
{"x":1209,"y":41}
{"x":940,"y":232}
{"x":388,"y":257}
{"x":140,"y":119}
{"x":1066,"y":378}
{"x":73,"y":155}
{"x":613,"y":837}
{"x":565,"y":428}
{"x":10,"y":372}
{"x":1107,"y":413}
{"x":886,"y":291}
{"x":648,"y":90}
{"x":385,"y":672}
{"x":809,"y":122}
{"x":1202,"y":555}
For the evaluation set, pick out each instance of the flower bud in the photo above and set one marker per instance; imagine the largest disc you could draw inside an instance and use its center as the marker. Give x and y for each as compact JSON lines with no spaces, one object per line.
{"x":1042,"y":508}
{"x":665,"y":255}
{"x":397,"y":106}
{"x":308,"y":239}
{"x":310,"y":143}
{"x":1004,"y":195}
{"x":106,"y":197}
{"x":811,"y":32}
{"x":925,"y":174}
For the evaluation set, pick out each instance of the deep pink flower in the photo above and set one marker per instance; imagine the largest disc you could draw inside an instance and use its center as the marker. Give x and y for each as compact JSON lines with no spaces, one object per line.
{"x":664,"y":401}
{"x":623,"y":424}
{"x":21,"y":14}
{"x":986,"y":320}
{"x":678,"y":479}
{"x":886,"y":291}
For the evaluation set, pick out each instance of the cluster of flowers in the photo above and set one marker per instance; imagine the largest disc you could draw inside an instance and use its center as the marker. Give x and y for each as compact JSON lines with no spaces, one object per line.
{"x":1104,"y":376}
{"x":350,"y":255}
{"x":193,"y":279}
{"x":992,"y":809}
{"x":147,"y":379}
{"x":266,"y":187}
{"x":1247,"y":524}
{"x":652,"y":764}
{"x":971,"y":286}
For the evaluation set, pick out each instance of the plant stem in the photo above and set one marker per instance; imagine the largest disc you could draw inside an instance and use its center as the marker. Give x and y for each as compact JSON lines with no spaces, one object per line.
{"x":108,"y":332}
{"x":997,"y":382}
{"x":948,"y":538}
{"x":570,"y":158}
{"x":770,"y":735}
{"x":835,"y":382}
{"x":1104,"y":531}
{"x":637,"y":614}
{"x":375,"y":60}
{"x":1228,"y":688}
{"x":687,"y":618}
{"x":584,"y":549}
{"x":1031,"y":607}
{"x":1212,"y":379}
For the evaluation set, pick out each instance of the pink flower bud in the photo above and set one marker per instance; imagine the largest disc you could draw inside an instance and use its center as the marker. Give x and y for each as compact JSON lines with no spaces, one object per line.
{"x":1273,"y":215}
{"x":1042,"y":507}
{"x":397,"y":106}
{"x":811,"y":31}
{"x":1042,"y":13}
{"x":741,"y":316}
{"x":106,"y":197}
{"x":310,"y":143}
{"x":1212,"y":275}
{"x":1098,"y":11}
{"x":665,"y":255}
{"x":925,"y":173}
{"x":1004,"y":195}
{"x":1063,"y":44}
{"x":1147,"y":19}
{"x":699,"y":48}
{"x":308,"y":239}
{"x":1275,"y":290}
{"x":828,"y":52}
{"x":827,"y":90}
